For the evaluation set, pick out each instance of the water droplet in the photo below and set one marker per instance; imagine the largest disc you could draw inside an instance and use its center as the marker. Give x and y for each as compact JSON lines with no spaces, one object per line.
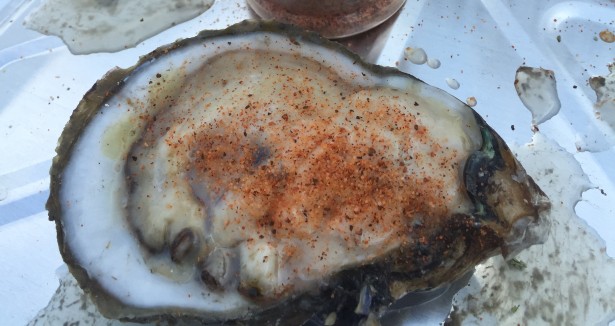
{"x":433,"y":63}
{"x":452,"y":83}
{"x":416,"y":55}
{"x":471,"y":101}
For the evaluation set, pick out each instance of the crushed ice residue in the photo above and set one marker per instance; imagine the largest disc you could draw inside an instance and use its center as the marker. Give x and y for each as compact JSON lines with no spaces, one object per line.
{"x":566,"y":281}
{"x":605,"y":96}
{"x":71,"y":306}
{"x":110,"y":25}
{"x":537,"y":90}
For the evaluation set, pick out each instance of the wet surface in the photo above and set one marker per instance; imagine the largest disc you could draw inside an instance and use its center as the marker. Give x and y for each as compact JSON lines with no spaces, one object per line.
{"x":110,"y":26}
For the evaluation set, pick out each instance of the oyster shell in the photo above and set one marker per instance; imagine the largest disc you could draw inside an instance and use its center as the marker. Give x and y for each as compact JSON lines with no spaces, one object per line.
{"x":264,"y":174}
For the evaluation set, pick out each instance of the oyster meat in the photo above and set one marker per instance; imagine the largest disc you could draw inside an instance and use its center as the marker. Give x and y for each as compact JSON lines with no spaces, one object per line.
{"x":264,"y":174}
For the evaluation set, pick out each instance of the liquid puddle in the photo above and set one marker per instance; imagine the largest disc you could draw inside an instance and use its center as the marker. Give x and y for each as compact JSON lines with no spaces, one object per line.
{"x":110,"y":25}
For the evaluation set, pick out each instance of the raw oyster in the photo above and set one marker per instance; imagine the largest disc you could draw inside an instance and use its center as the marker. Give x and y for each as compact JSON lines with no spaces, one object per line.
{"x":264,"y":174}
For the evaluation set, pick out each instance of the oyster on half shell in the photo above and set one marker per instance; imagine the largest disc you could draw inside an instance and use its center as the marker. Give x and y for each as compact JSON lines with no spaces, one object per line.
{"x":264,"y":174}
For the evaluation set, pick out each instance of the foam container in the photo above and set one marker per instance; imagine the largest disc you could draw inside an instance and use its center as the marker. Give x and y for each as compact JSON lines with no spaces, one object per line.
{"x":478,"y":43}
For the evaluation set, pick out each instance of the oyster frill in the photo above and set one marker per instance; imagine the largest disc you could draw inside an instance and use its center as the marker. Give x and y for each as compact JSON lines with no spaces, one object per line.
{"x":261,"y":173}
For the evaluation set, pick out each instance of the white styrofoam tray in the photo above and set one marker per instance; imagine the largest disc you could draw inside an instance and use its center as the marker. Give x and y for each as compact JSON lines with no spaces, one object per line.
{"x":480,"y":44}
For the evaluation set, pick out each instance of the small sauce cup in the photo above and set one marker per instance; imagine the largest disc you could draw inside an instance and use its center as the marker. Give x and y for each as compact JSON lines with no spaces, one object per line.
{"x":330,"y":18}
